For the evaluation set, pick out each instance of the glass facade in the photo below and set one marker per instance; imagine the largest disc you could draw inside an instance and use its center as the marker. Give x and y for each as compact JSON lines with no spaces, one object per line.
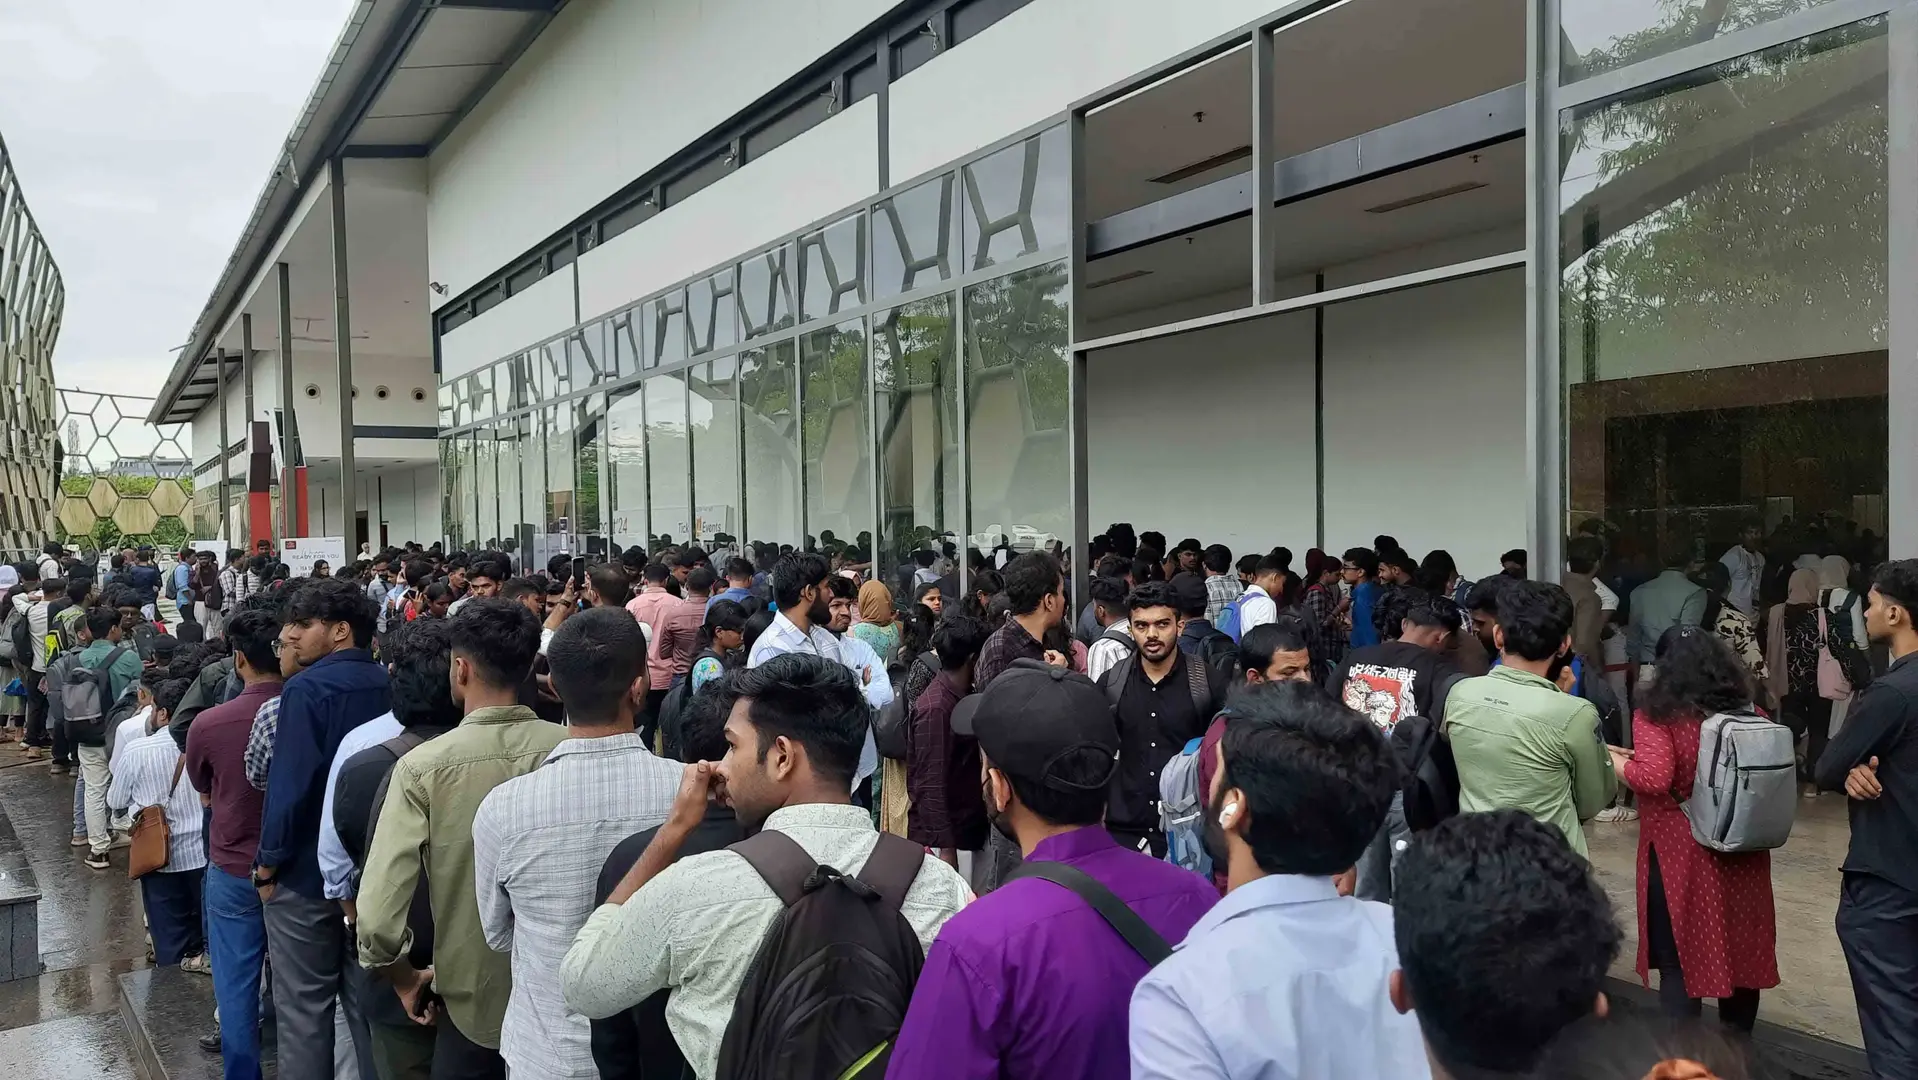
{"x":1725,"y":308}
{"x":809,"y":394}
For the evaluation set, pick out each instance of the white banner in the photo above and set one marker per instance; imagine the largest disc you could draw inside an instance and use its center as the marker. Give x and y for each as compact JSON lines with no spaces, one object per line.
{"x":299,"y":553}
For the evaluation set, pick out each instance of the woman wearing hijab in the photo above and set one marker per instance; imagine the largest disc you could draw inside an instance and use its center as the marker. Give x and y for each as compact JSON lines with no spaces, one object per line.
{"x":1845,"y":615}
{"x":878,"y":624}
{"x":1791,"y":660}
{"x":13,"y":707}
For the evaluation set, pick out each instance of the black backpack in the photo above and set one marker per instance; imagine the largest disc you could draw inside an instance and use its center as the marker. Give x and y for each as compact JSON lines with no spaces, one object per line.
{"x":892,"y":728}
{"x":828,"y":988}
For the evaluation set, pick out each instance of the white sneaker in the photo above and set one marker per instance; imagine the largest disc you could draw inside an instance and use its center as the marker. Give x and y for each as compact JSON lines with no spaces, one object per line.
{"x":1618,"y":813}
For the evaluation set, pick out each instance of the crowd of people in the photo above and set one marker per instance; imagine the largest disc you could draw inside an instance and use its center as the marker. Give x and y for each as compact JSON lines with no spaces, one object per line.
{"x":774,"y":814}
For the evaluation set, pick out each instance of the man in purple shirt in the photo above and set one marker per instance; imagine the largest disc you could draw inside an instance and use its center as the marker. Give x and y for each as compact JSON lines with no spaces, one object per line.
{"x":1030,"y":980}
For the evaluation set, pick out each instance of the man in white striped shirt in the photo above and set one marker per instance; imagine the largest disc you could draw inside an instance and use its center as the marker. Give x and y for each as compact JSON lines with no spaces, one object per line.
{"x":539,"y":840}
{"x":149,"y":774}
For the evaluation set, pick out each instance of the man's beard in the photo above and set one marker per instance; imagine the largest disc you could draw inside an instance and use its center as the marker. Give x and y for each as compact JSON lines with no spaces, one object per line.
{"x":820,"y":613}
{"x":996,"y":817}
{"x":1213,"y":834}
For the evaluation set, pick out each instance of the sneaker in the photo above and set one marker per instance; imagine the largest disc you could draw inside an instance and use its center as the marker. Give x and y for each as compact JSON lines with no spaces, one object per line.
{"x":79,"y":840}
{"x":99,"y":861}
{"x":210,"y":1042}
{"x":198,"y":965}
{"x":1617,"y":814}
{"x":1811,"y":791}
{"x":120,"y":840}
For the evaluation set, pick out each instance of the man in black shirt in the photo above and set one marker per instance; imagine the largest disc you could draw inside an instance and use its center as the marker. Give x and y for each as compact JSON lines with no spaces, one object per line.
{"x":1404,"y":675}
{"x":419,"y":658}
{"x":1874,"y":759}
{"x":1162,"y":700}
{"x":637,"y":1044}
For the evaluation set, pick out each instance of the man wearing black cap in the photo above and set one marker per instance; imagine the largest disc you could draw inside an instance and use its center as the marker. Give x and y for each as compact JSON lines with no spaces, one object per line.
{"x":1162,"y":699}
{"x":1031,"y":980}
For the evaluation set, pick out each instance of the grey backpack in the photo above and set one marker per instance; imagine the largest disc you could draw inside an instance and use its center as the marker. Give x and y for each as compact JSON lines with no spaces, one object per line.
{"x":1745,"y":794}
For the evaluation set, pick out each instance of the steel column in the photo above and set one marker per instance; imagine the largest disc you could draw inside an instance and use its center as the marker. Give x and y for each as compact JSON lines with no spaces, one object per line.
{"x":246,"y":423}
{"x":1544,"y":379}
{"x":1079,"y":475}
{"x":289,"y":437}
{"x":226,"y":479}
{"x":1265,"y":280}
{"x":343,"y":348}
{"x":1901,"y":502}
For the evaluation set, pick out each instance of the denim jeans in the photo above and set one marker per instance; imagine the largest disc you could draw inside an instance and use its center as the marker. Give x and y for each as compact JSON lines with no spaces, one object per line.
{"x":80,"y":806}
{"x":175,"y":907}
{"x":236,"y":943}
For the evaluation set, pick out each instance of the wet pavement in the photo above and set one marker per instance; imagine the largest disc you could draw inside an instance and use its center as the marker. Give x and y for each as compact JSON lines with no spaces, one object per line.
{"x":66,"y":1022}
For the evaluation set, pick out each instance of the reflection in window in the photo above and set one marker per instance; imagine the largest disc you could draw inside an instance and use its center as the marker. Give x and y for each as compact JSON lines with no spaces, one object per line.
{"x":533,"y":480}
{"x":766,"y":292}
{"x":832,"y":269}
{"x":486,"y":467}
{"x":625,"y":344}
{"x":713,"y":313}
{"x":914,"y":234}
{"x":1599,"y":35}
{"x":916,"y":396}
{"x":457,"y":473}
{"x":626,"y":468}
{"x":666,"y":325}
{"x":446,"y":405}
{"x":516,"y":384}
{"x":589,"y":425}
{"x":769,"y":422}
{"x":668,"y":459}
{"x":1017,"y":380}
{"x":837,"y":434}
{"x":1015,"y":201}
{"x":714,"y":414}
{"x":553,"y":370}
{"x":1724,"y":305}
{"x":561,"y":495}
{"x":588,"y":360}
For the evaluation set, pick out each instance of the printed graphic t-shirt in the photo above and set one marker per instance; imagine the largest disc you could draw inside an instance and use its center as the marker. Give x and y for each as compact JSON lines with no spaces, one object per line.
{"x":1390,"y":681}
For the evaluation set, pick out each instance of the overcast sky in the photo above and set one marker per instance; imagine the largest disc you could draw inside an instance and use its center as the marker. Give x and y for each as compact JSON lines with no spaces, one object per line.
{"x":142,"y":132}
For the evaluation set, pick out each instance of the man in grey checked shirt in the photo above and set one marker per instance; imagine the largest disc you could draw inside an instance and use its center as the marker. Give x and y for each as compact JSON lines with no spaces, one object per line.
{"x":540,"y":840}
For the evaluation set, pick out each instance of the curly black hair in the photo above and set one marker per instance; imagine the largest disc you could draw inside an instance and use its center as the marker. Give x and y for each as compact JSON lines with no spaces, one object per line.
{"x":1698,"y":675}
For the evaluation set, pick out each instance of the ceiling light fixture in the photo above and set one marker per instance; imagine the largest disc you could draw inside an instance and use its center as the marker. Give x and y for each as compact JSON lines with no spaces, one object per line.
{"x":1430,"y":196}
{"x":1128,"y":276}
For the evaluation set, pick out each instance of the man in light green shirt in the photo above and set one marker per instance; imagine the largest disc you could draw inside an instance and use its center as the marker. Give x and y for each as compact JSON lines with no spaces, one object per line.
{"x":431,"y":800}
{"x":1520,"y":741}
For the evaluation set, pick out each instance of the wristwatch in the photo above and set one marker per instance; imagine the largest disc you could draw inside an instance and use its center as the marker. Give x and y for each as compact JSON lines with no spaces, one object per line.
{"x":259,"y":881}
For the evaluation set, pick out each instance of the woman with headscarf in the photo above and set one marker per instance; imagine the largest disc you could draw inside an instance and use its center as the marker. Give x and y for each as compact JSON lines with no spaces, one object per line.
{"x":1845,"y":615}
{"x":1732,"y":626}
{"x":878,"y":624}
{"x":13,"y":707}
{"x":1791,"y":659}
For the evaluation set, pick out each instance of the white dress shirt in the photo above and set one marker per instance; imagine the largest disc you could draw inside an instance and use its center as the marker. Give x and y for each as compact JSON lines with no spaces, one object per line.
{"x":130,"y":731}
{"x":697,"y":926}
{"x":142,"y":779}
{"x":336,"y":869}
{"x":1284,"y":979}
{"x":539,"y":842}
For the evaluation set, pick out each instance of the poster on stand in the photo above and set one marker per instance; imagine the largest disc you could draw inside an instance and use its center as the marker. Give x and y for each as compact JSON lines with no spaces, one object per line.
{"x":299,"y":553}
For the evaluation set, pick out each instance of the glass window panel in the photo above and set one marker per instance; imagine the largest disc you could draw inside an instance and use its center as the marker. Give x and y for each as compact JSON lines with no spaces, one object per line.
{"x":589,"y":420}
{"x":532,"y":457}
{"x":1017,"y":378}
{"x":769,"y":417}
{"x":1015,"y":201}
{"x":625,"y":344}
{"x":446,"y":406}
{"x":837,"y":433}
{"x":715,"y":431}
{"x":486,"y":465}
{"x":562,"y":484}
{"x":832,"y":269}
{"x":766,"y":291}
{"x":1599,"y":35}
{"x":713,"y":312}
{"x":914,"y":235}
{"x":1724,"y":310}
{"x":553,"y":370}
{"x":915,"y":370}
{"x":668,"y":458}
{"x":626,"y":462}
{"x":484,"y":393}
{"x":665,"y":324}
{"x":456,"y":496}
{"x":588,"y":361}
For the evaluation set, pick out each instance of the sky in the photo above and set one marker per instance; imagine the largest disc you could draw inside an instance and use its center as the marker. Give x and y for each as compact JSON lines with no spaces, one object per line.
{"x":142,"y":132}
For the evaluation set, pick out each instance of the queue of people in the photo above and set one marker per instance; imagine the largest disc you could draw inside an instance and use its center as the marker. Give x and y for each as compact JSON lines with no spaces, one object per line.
{"x":630,"y":817}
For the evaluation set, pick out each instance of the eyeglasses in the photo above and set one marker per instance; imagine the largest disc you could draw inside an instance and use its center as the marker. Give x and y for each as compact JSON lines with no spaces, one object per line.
{"x":276,"y":646}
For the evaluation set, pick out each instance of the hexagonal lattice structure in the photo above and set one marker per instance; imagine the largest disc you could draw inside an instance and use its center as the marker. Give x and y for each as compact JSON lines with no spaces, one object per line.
{"x":126,"y":482}
{"x":32,"y":300}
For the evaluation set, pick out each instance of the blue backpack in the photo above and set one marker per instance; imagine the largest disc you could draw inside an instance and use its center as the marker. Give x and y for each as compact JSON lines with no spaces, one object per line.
{"x":1182,"y":810}
{"x":1229,"y":622}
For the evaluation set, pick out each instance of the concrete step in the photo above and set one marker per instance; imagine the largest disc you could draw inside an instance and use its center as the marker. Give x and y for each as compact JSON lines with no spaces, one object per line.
{"x":165,"y":1011}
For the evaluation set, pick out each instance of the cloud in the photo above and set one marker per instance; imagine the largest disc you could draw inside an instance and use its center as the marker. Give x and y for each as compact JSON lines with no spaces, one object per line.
{"x":142,"y":132}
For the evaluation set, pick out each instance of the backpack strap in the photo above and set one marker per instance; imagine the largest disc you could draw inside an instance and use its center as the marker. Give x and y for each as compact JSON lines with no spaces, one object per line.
{"x":1144,"y":940}
{"x":892,"y":868}
{"x":780,"y":860}
{"x":1198,"y":682}
{"x":1115,"y":679}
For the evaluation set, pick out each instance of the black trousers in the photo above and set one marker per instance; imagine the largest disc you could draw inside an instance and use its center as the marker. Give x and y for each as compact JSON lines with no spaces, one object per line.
{"x":1878,"y":929}
{"x":36,"y":711}
{"x":1738,"y":1011}
{"x":1809,"y":715}
{"x":175,"y":909}
{"x":456,"y":1057}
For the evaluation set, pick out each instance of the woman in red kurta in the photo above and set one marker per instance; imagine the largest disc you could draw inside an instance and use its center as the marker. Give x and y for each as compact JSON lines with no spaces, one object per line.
{"x":1705,"y":918}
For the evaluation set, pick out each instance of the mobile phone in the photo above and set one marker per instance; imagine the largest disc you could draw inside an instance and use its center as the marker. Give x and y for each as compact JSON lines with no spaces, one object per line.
{"x":579,"y":571}
{"x":427,"y":999}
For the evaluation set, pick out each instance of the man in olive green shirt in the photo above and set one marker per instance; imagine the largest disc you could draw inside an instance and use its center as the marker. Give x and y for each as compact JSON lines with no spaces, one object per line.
{"x":1520,"y":741}
{"x":434,"y":793}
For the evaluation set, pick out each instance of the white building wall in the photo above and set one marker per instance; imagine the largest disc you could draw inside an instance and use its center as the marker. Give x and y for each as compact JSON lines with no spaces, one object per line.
{"x":1207,"y":434}
{"x":824,"y":170}
{"x":531,"y":315}
{"x":1424,"y":420}
{"x":607,"y":92}
{"x":1034,"y":63}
